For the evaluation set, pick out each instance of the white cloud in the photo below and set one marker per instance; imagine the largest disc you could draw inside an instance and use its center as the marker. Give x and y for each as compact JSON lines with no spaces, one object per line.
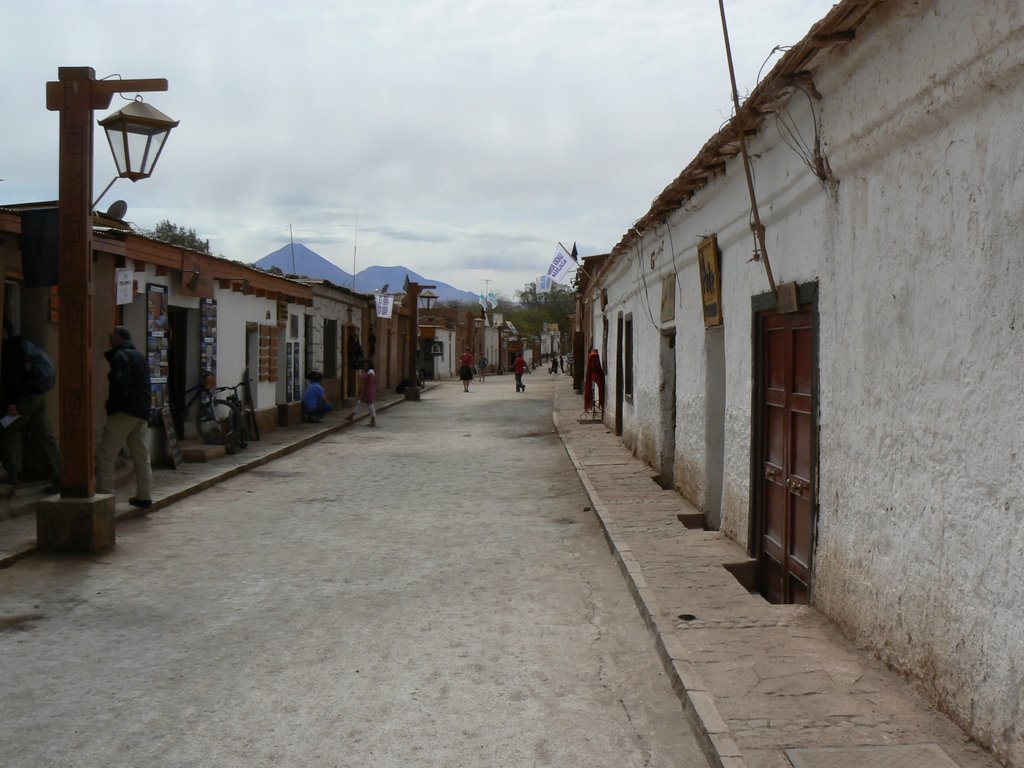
{"x":466,"y":138}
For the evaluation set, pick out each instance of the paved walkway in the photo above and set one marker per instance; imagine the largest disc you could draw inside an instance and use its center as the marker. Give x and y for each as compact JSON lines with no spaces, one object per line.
{"x":766,"y":686}
{"x":379,"y":599}
{"x":755,"y":679}
{"x":17,"y":514}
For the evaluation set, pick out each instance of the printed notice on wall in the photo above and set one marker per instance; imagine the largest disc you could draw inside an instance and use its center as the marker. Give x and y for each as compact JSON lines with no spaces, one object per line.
{"x":124,"y":280}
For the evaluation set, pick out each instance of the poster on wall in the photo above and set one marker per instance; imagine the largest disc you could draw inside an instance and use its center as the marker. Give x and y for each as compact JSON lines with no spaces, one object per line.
{"x":710,"y":281}
{"x":289,"y":372}
{"x":157,"y":342}
{"x":125,"y":286}
{"x":208,"y":335}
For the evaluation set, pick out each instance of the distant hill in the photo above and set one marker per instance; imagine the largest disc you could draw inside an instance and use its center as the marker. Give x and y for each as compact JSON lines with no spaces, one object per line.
{"x":372,"y":278}
{"x":310,"y":264}
{"x":307,"y":264}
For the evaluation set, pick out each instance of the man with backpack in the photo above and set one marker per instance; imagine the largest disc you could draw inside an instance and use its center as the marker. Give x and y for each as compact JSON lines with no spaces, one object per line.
{"x":26,"y":374}
{"x":128,"y":407}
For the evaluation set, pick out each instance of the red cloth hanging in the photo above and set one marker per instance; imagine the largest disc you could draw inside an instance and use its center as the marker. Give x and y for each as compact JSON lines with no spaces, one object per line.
{"x":594,"y":377}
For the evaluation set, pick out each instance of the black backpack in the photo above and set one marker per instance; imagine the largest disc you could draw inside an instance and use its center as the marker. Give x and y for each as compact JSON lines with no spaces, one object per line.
{"x":40,"y":375}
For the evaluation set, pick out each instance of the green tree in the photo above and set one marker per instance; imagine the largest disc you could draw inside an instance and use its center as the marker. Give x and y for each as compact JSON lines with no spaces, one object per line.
{"x":178,"y":235}
{"x":534,"y":309}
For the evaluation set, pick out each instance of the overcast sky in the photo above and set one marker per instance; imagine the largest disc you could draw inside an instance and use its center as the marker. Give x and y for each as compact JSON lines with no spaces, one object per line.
{"x":460,"y":138}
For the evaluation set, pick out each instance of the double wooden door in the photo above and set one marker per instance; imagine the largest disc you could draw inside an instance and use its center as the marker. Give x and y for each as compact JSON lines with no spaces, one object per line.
{"x":788,"y":455}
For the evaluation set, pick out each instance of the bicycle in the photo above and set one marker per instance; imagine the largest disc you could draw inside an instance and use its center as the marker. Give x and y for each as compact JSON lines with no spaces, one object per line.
{"x":238,"y":414}
{"x":217,"y":419}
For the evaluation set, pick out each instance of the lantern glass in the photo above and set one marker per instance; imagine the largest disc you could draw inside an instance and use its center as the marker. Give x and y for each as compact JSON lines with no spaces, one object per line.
{"x":428,"y":299}
{"x":136,"y":135}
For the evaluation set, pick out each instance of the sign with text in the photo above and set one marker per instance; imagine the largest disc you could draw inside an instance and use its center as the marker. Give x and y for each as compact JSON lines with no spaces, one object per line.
{"x":384,"y":305}
{"x":125,"y":280}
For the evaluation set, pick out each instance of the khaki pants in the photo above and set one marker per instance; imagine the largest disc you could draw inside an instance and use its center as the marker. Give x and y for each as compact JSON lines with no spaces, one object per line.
{"x":120,"y":428}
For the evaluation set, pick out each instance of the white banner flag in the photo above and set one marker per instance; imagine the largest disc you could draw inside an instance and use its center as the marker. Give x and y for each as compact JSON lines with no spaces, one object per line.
{"x":544,"y":284}
{"x":560,"y":265}
{"x":384,"y":305}
{"x":492,"y":299}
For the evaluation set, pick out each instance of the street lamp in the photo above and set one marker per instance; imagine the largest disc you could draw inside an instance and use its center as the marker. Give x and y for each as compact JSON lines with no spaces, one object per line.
{"x":136,"y":134}
{"x":81,"y":520}
{"x":428,"y":299}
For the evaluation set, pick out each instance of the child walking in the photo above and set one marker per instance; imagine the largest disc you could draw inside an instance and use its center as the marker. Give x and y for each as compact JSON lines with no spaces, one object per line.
{"x":367,"y":394}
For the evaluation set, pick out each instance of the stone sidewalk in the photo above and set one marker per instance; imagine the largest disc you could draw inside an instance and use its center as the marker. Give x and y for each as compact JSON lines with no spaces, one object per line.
{"x":17,"y":514}
{"x":765,"y":686}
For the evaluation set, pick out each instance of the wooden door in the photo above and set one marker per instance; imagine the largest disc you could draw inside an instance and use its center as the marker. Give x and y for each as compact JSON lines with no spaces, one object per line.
{"x":788,"y":455}
{"x":620,"y":379}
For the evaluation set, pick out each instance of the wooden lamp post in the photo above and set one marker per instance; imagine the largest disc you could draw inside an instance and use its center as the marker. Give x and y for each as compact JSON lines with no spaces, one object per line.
{"x":80,"y":520}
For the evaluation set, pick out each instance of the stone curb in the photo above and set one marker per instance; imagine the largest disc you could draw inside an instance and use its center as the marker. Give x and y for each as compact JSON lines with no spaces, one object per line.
{"x":709,"y":726}
{"x":131,"y":513}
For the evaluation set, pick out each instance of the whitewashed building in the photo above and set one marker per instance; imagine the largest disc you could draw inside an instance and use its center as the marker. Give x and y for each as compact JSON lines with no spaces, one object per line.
{"x":859,"y":430}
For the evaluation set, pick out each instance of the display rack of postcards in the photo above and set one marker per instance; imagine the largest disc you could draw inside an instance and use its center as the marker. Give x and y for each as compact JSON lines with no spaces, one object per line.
{"x":208,"y":335}
{"x":289,"y":371}
{"x":157,"y":342}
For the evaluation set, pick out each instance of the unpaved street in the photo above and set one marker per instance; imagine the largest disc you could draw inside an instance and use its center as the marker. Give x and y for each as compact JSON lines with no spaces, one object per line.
{"x":431,"y":592}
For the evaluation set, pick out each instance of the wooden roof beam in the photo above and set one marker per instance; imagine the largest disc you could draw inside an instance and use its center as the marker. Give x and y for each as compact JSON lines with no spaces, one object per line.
{"x":828,"y":39}
{"x":802,"y":80}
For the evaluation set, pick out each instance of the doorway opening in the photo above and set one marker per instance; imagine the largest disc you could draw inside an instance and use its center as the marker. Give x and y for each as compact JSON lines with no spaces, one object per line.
{"x":666,"y":465}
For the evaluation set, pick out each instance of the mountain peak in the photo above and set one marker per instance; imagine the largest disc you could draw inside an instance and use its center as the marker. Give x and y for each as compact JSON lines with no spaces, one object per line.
{"x":308,"y":263}
{"x":302,"y":261}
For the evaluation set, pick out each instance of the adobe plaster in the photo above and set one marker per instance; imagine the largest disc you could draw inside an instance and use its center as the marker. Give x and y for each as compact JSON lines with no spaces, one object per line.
{"x":916,"y":256}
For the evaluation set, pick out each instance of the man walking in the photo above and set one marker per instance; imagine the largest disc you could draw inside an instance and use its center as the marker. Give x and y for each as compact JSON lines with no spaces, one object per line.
{"x":520,"y":369}
{"x":128,"y":406}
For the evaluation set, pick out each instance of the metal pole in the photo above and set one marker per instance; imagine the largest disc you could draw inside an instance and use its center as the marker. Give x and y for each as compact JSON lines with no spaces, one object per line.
{"x":292,"y":241}
{"x":758,"y":227}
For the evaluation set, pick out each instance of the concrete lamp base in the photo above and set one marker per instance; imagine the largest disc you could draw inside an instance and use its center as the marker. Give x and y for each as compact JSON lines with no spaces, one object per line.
{"x":75,"y":525}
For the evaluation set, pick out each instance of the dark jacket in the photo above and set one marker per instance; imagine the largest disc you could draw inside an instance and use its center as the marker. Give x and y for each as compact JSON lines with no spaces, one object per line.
{"x":129,"y":381}
{"x":12,"y":371}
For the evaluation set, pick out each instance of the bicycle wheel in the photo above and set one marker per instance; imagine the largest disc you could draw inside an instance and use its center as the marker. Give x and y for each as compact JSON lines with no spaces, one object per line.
{"x":215,"y":423}
{"x":241,"y":425}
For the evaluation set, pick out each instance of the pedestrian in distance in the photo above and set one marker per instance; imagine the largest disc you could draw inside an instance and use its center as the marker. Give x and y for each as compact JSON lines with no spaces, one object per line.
{"x":315,"y":404}
{"x":128,"y":408}
{"x":26,"y":373}
{"x":482,"y":366}
{"x":520,"y":368}
{"x":466,"y":368}
{"x":367,"y":393}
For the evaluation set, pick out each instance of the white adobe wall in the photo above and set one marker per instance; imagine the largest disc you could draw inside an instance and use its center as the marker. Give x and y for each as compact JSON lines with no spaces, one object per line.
{"x":920,"y":534}
{"x":329,"y":308}
{"x":234,"y":310}
{"x":921,"y":529}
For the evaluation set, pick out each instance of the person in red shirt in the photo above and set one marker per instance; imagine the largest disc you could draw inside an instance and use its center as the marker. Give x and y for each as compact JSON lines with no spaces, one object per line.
{"x":520,"y":368}
{"x":466,"y":368}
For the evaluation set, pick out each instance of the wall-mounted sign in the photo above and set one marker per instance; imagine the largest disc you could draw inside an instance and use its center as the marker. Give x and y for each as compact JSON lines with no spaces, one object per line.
{"x":668,"y":298}
{"x":125,"y":280}
{"x":710,"y":281}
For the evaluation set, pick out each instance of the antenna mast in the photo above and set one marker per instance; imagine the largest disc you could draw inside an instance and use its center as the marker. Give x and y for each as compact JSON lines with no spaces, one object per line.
{"x":355,"y":241}
{"x":292,"y":240}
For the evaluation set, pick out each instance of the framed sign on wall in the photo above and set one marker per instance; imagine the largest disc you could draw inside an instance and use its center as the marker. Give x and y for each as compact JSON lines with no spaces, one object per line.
{"x":710,"y":280}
